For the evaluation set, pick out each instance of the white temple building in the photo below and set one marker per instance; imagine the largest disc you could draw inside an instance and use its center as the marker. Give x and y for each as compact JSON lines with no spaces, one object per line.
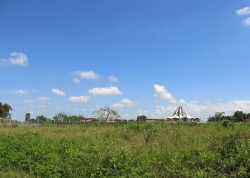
{"x":179,"y":114}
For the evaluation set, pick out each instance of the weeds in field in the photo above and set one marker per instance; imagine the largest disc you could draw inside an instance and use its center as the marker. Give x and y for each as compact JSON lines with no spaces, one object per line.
{"x":132,"y":150}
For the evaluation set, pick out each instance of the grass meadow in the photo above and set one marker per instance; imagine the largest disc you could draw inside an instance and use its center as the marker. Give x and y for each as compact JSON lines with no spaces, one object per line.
{"x":126,"y":150}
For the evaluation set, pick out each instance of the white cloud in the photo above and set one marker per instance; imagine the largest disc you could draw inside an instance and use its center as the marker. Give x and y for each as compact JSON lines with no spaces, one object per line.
{"x":113,"y":78}
{"x":128,"y":102}
{"x":43,"y":98}
{"x":28,"y":101}
{"x":21,"y":92}
{"x":58,"y":92}
{"x":243,"y":11}
{"x":76,"y":80}
{"x":16,"y":59}
{"x":105,"y":91}
{"x":118,"y":105}
{"x":247,"y":21}
{"x":124,"y":103}
{"x":162,"y":93}
{"x":77,"y":99}
{"x":90,"y":75}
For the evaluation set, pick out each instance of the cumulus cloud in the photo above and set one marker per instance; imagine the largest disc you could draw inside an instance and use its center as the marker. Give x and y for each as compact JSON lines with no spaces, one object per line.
{"x":105,"y":91}
{"x":162,"y":93}
{"x":124,"y":103}
{"x":113,"y":78}
{"x":118,"y":105}
{"x":78,"y":99}
{"x":247,"y":21}
{"x":58,"y":92}
{"x":21,"y":92}
{"x":15,"y":59}
{"x":243,"y":11}
{"x":90,"y":75}
{"x":128,"y":102}
{"x":43,"y":98}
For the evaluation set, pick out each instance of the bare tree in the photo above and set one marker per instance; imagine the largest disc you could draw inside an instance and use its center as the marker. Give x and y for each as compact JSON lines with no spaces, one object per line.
{"x":106,"y":114}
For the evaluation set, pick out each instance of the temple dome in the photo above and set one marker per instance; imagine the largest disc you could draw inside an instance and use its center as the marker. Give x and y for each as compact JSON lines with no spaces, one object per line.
{"x":180,"y":113}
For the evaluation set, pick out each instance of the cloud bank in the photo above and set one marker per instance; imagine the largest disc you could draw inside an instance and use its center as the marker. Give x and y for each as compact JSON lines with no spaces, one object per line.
{"x":196,"y":109}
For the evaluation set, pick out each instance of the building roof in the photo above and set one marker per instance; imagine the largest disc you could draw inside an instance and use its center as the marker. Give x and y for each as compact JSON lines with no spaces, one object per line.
{"x":180,"y":113}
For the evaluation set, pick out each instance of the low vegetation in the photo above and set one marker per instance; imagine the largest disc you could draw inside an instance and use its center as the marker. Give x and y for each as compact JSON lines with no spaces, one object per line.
{"x":126,"y":150}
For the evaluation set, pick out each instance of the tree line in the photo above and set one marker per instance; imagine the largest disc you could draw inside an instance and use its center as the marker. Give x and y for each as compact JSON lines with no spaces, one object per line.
{"x":108,"y":114}
{"x":238,"y":116}
{"x":60,"y":117}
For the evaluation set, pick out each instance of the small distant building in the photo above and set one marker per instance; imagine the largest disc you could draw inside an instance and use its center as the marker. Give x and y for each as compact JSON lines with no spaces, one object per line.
{"x":180,"y":114}
{"x":88,"y":120}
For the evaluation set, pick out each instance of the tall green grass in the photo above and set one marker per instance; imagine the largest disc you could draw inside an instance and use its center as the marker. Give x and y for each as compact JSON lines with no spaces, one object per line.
{"x":126,"y":150}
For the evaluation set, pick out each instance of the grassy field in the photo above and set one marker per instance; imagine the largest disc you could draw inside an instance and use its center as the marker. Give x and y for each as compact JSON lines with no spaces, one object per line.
{"x":126,"y":150}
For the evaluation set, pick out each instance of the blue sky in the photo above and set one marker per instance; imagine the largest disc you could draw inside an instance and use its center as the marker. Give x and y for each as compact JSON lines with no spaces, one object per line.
{"x":136,"y":56}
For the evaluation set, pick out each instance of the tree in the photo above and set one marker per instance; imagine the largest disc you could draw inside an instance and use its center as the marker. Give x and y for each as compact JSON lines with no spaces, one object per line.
{"x":106,"y":114}
{"x":218,"y":117}
{"x":42,"y":118}
{"x":27,"y":116}
{"x":61,"y":117}
{"x":141,"y":118}
{"x":5,"y":110}
{"x":75,"y":118}
{"x":239,"y":116}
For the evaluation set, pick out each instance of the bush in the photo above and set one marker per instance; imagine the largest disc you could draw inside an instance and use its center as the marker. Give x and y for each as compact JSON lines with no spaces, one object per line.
{"x":226,"y":123}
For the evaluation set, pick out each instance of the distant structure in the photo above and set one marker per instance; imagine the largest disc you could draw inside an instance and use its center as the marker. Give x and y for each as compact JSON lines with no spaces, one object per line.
{"x":179,"y":114}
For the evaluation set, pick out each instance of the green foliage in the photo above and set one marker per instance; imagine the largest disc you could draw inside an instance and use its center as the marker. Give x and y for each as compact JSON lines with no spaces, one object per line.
{"x":60,"y":117}
{"x":27,"y":116}
{"x":141,"y":118}
{"x":218,"y":117}
{"x":63,"y":117}
{"x":238,"y":116}
{"x":106,"y":114}
{"x":225,"y":123}
{"x":42,"y":118}
{"x":126,"y":150}
{"x":5,"y":110}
